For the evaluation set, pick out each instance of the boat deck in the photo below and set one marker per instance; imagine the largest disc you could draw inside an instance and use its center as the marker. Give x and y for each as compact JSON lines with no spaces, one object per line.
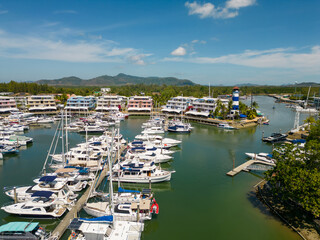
{"x":64,"y":223}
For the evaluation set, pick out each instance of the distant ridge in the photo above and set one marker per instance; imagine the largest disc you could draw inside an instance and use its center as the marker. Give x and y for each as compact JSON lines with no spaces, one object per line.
{"x":120,"y":79}
{"x":304,"y":84}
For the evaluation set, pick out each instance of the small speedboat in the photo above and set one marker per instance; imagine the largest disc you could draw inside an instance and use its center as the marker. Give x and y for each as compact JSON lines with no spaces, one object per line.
{"x":261,"y":156}
{"x":225,"y":126}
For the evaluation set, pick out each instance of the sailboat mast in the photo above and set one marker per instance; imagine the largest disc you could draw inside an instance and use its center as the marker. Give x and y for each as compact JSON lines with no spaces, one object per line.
{"x":67,"y":140}
{"x":62,"y":139}
{"x":110,"y":171}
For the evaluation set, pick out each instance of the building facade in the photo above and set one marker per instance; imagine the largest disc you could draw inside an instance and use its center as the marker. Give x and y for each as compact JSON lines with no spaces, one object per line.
{"x":80,"y":103}
{"x":203,"y":107}
{"x":178,"y":104}
{"x":41,"y":103}
{"x":140,"y":104}
{"x":7,"y":104}
{"x":110,"y":103}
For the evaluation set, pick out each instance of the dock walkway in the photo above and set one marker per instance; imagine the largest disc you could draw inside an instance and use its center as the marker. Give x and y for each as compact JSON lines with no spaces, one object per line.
{"x":243,"y":166}
{"x":64,"y":223}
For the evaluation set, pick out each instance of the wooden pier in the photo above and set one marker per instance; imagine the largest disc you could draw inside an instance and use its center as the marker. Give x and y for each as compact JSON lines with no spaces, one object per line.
{"x":243,"y":166}
{"x":65,"y":222}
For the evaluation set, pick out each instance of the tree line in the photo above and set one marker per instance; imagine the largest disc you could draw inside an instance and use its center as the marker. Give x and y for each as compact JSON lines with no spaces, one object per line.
{"x":296,"y":176}
{"x":161,"y":94}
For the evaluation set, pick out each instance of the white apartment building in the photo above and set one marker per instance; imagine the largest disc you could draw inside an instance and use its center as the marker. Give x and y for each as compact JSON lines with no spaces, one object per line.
{"x":203,"y":106}
{"x":109,"y":103}
{"x":7,"y":104}
{"x":39,"y":103}
{"x":178,"y":104}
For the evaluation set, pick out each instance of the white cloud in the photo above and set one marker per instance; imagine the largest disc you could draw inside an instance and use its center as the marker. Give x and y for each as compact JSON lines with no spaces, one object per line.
{"x":205,"y":10}
{"x":3,"y":12}
{"x":286,"y":58}
{"x":138,"y":59}
{"x":180,"y":51}
{"x":229,"y":10}
{"x":28,"y":47}
{"x":239,"y":3}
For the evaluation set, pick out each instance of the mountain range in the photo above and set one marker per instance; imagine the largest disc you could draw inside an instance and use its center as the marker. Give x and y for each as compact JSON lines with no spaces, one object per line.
{"x":118,"y":80}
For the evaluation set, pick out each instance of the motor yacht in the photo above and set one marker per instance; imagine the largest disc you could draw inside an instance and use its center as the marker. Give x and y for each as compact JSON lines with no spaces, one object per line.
{"x":139,"y":172}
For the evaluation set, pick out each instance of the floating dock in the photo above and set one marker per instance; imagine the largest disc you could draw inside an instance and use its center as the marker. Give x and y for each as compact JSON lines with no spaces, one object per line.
{"x":243,"y":166}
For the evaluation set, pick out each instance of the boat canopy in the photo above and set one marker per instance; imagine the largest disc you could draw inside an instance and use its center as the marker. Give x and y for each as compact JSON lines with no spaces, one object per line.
{"x":47,"y":178}
{"x":45,"y":194}
{"x":84,"y":170}
{"x":18,"y":227}
{"x":108,"y":218}
{"x":298,"y":141}
{"x":122,"y":190}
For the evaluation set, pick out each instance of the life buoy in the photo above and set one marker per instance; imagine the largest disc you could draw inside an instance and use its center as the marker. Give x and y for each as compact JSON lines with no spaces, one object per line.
{"x":73,"y":234}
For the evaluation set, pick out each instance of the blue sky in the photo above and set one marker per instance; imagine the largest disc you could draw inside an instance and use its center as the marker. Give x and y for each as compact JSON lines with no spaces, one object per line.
{"x":218,"y":41}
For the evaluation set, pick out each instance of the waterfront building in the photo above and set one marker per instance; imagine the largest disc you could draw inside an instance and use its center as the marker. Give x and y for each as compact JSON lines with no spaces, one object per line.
{"x":178,"y":104}
{"x":80,"y":103}
{"x":140,"y":104}
{"x":41,"y":103}
{"x":235,"y":101}
{"x":109,"y":103}
{"x":105,"y":90}
{"x":7,"y":104}
{"x":203,"y":106}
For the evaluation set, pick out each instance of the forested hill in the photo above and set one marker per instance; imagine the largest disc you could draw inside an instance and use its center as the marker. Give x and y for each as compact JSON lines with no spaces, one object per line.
{"x":119,"y":80}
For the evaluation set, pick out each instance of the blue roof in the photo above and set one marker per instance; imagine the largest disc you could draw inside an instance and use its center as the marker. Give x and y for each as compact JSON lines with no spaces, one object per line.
{"x":19,"y":227}
{"x":122,"y":190}
{"x":45,"y":194}
{"x":108,"y":218}
{"x":47,"y":178}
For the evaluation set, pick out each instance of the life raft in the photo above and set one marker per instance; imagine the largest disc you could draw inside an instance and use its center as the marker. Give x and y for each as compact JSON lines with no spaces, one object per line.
{"x":154,"y":207}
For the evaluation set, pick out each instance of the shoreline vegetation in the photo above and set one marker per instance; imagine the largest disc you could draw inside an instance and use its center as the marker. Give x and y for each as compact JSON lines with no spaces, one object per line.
{"x":292,"y":188}
{"x":289,"y":213}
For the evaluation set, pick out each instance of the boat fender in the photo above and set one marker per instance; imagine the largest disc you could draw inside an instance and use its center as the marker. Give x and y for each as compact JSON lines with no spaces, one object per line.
{"x":73,"y":234}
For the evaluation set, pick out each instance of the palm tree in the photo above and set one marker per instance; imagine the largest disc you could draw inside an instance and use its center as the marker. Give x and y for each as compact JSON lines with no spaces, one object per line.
{"x":310,"y":120}
{"x":255,"y":105}
{"x":230,"y":105}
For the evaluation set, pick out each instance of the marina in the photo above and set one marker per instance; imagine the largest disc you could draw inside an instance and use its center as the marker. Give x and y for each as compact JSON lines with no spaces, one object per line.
{"x":206,"y":168}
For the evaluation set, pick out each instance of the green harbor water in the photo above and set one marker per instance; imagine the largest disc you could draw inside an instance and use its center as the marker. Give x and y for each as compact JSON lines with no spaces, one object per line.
{"x":200,"y":202}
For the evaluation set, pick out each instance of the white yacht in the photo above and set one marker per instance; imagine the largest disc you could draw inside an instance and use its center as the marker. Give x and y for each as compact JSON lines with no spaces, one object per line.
{"x":40,"y":207}
{"x":127,"y":211}
{"x":105,"y":228}
{"x":47,"y":183}
{"x":92,"y":129}
{"x":153,"y":130}
{"x":147,"y":137}
{"x":139,"y":172}
{"x":261,"y":156}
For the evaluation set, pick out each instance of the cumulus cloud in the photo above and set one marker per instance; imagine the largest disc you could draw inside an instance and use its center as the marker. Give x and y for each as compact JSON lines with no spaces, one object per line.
{"x":28,"y":47}
{"x":229,"y":10}
{"x":138,"y":59}
{"x":180,"y":51}
{"x":272,"y":58}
